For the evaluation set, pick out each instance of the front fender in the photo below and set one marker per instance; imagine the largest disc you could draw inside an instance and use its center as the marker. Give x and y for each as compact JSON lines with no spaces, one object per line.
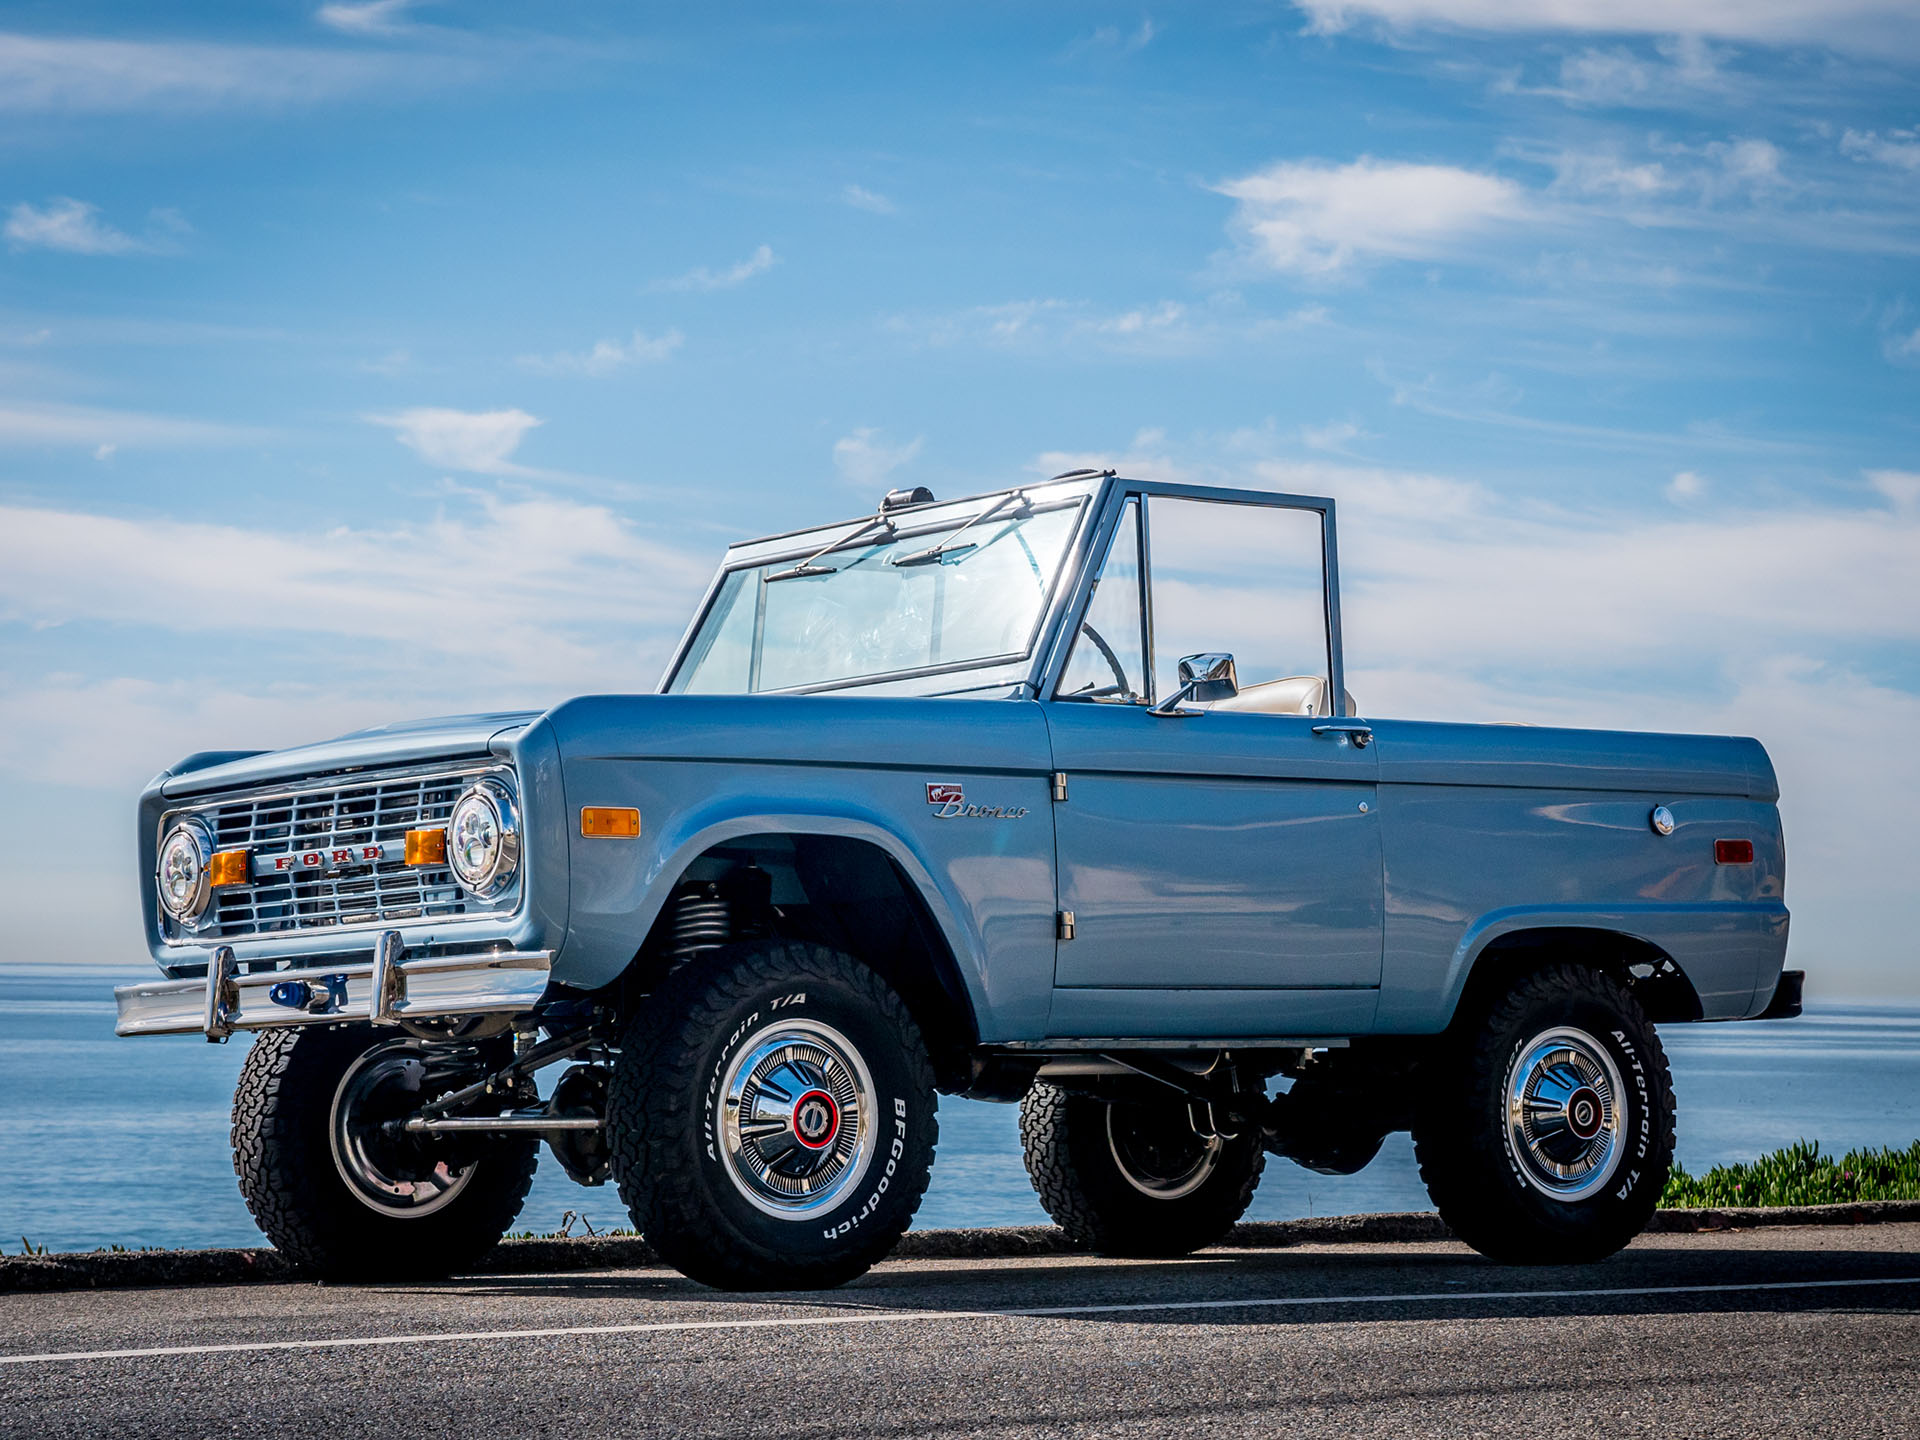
{"x":853,"y":770}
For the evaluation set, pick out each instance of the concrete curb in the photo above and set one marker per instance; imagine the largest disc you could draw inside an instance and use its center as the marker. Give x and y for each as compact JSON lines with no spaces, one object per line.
{"x":123,"y":1269}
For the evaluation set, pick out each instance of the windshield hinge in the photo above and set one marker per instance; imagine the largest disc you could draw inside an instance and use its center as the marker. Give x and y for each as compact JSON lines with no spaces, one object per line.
{"x":1059,"y":787}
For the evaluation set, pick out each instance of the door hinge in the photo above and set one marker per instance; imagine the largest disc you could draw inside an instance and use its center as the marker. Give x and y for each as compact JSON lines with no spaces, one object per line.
{"x":1059,"y":787}
{"x":1063,"y":924}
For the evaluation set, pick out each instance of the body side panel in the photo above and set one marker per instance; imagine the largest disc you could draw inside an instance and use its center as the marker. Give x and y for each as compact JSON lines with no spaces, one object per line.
{"x":1492,"y":829}
{"x":704,"y":770}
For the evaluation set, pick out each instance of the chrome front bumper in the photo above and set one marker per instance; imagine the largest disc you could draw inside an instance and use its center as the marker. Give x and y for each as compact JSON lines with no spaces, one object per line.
{"x":389,"y":989}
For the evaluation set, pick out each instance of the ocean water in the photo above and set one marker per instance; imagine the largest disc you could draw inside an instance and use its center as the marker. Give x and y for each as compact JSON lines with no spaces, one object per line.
{"x":108,"y":1141}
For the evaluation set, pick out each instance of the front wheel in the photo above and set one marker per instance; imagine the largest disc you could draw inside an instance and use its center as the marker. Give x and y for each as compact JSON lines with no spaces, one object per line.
{"x":334,"y":1182}
{"x":771,"y":1118}
{"x":1548,"y":1132}
{"x":1132,"y":1177}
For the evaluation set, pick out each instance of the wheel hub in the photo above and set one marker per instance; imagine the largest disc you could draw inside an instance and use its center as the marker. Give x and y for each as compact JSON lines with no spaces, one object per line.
{"x":1565,"y":1118}
{"x":796,"y":1114}
{"x":1157,"y":1150}
{"x":386,"y":1169}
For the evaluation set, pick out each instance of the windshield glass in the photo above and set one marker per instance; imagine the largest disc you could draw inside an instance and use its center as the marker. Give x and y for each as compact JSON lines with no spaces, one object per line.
{"x":896,"y":601}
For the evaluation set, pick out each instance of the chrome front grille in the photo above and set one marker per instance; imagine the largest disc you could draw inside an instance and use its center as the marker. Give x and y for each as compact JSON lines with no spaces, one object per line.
{"x":369,"y":810}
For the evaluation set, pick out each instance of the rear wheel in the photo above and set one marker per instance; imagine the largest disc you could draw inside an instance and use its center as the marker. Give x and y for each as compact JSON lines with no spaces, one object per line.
{"x":771,"y":1118}
{"x":1548,"y":1134}
{"x":343,"y":1192}
{"x":1127,"y":1177}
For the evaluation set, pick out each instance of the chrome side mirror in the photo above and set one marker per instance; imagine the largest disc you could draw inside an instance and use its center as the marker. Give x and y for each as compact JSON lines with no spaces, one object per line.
{"x":1204,"y":678}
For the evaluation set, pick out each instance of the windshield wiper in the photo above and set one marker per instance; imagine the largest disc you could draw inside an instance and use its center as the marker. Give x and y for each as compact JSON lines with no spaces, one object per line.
{"x":931,"y":555}
{"x":807,"y":567}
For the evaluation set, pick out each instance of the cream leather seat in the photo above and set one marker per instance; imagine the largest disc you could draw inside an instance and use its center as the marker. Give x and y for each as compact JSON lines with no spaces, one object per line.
{"x":1295,"y":695}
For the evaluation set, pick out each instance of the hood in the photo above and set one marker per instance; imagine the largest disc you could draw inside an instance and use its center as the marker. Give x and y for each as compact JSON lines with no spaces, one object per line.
{"x":447,"y":737}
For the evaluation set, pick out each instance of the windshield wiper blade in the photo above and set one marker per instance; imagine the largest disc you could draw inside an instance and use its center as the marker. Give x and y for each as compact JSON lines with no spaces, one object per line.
{"x":933,"y":553}
{"x":807,"y":567}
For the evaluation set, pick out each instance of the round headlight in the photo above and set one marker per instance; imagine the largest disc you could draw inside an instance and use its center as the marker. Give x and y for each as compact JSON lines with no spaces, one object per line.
{"x":184,"y":882}
{"x":483,"y":839}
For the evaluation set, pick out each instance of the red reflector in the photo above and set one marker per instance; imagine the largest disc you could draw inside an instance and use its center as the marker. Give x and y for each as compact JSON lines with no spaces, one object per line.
{"x":1733,"y":852}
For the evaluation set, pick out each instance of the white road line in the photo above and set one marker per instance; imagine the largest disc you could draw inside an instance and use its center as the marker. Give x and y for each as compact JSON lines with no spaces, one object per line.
{"x":902,"y":1317}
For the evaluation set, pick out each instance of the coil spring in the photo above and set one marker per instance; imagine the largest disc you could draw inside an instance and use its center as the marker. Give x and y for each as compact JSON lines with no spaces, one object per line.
{"x":702,"y":920}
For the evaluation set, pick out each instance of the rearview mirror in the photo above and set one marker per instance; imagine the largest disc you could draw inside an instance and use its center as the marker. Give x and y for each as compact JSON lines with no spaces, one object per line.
{"x":1205,"y":678}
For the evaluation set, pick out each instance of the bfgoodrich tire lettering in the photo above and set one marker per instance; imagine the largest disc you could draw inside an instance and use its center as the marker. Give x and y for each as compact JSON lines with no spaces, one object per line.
{"x":772,"y":1118}
{"x":1549,"y":1129}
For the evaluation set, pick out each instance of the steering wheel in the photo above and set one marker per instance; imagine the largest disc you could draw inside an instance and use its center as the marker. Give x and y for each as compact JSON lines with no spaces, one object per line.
{"x":1113,"y":662}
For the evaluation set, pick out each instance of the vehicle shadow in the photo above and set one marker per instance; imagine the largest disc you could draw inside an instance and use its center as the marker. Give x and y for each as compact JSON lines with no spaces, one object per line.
{"x":1239,"y":1288}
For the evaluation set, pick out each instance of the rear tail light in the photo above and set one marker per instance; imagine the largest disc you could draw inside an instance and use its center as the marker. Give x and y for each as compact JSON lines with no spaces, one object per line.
{"x":1733,"y":852}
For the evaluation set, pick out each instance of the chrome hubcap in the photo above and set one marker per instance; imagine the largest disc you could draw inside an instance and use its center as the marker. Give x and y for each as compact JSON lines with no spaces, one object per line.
{"x":795,"y":1114}
{"x":1157,"y":1151}
{"x":1565,"y":1114}
{"x":392,"y":1172}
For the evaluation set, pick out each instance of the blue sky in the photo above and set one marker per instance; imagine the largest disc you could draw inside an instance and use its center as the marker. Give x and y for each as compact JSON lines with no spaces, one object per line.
{"x":367,"y":360}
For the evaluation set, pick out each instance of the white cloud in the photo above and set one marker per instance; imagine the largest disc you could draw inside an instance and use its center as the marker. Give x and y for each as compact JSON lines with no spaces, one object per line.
{"x":1853,"y":22}
{"x":481,"y":442}
{"x":1899,"y":148}
{"x":1315,"y":218}
{"x":861,"y":198}
{"x":394,"y":362}
{"x":1163,"y":328}
{"x":864,"y":458}
{"x":1686,"y":486}
{"x":1113,"y":40}
{"x":1901,"y":487}
{"x":1753,"y":163}
{"x":1334,"y":435}
{"x":82,"y":75}
{"x":606,"y":356}
{"x":762,"y":260}
{"x":66,"y":224}
{"x":368,"y":17}
{"x":80,"y":425}
{"x":1607,"y":174}
{"x":556,"y":595}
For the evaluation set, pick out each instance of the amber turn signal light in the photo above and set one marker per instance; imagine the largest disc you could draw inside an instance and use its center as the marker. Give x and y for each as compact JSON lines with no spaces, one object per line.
{"x":609,"y":822}
{"x":1733,"y":852}
{"x":228,"y":867}
{"x":426,"y":847}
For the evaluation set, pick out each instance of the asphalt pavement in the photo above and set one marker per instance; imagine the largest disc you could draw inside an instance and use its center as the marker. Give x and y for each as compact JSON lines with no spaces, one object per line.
{"x":1740,"y":1334}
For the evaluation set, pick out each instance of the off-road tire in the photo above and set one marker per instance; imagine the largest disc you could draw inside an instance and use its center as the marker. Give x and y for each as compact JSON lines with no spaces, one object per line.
{"x":283,"y":1156}
{"x":1071,"y":1161}
{"x":1469,"y":1159}
{"x":666,"y":1140}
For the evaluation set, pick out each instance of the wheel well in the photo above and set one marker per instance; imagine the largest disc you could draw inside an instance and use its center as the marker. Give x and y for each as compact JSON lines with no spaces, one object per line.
{"x":844,"y":893}
{"x":1660,"y":986}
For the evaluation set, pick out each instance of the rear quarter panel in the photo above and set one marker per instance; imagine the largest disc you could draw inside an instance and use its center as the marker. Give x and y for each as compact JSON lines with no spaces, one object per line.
{"x":1489,"y":829}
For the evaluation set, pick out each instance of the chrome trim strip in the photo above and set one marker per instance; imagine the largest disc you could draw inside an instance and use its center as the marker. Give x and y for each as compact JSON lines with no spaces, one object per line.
{"x":498,"y":982}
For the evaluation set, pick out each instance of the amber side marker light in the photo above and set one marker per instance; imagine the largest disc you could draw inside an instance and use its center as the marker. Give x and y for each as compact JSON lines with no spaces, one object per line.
{"x":1733,"y":852}
{"x":229,"y":867}
{"x":609,"y":822}
{"x":426,"y":847}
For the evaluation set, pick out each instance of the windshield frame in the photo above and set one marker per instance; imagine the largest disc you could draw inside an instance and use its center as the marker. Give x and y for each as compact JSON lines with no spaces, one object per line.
{"x":933,"y":519}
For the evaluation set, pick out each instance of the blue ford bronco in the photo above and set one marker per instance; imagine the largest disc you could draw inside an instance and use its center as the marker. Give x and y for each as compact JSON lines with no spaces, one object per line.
{"x":1053,"y":796}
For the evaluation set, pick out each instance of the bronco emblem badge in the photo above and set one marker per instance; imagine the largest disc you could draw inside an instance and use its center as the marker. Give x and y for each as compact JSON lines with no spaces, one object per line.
{"x":949,"y":802}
